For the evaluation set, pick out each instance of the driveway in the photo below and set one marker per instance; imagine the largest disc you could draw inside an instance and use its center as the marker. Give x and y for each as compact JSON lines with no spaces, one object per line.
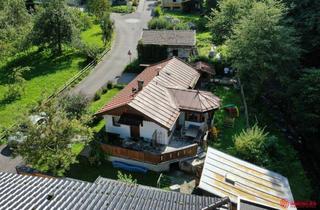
{"x":128,"y":30}
{"x":7,"y":163}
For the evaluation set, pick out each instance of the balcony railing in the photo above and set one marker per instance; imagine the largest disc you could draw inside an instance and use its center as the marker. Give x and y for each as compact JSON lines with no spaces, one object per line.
{"x":148,"y":157}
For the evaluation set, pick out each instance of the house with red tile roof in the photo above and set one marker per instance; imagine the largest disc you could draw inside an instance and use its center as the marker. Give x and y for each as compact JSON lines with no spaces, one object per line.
{"x":159,"y":117}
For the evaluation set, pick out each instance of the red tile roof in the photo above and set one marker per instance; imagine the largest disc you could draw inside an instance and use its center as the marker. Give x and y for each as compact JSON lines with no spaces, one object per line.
{"x":126,"y":95}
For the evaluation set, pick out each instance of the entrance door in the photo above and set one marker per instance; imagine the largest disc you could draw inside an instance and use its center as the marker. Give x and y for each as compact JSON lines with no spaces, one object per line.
{"x":135,"y":131}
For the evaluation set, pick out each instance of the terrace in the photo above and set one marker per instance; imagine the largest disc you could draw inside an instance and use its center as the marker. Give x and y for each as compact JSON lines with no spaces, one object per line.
{"x":181,"y":145}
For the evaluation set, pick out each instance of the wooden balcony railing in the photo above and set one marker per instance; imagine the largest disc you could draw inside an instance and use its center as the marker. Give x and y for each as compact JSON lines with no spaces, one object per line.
{"x":147,"y":157}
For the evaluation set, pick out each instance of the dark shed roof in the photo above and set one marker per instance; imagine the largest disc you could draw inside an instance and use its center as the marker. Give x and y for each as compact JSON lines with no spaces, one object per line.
{"x":169,"y":37}
{"x":28,"y":192}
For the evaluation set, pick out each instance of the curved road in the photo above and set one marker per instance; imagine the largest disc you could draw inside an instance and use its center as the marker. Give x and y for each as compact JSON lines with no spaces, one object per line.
{"x":128,"y":30}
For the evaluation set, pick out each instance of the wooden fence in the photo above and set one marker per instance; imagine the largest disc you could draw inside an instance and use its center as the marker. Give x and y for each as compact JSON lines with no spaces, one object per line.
{"x":147,"y":156}
{"x":66,"y":86}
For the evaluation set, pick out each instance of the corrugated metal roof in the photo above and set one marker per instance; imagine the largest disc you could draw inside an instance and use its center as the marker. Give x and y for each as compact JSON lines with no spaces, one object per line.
{"x":247,"y":205}
{"x":169,"y":37}
{"x":246,"y":180}
{"x":195,"y":100}
{"x":27,"y":192}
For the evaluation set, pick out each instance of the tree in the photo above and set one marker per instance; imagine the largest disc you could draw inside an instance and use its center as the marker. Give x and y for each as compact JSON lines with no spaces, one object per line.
{"x":16,"y":85}
{"x":264,"y":49}
{"x":15,"y":24}
{"x":48,"y":145}
{"x":98,"y":7}
{"x":106,"y":27}
{"x":305,"y":110}
{"x":304,"y":16}
{"x":254,"y":145}
{"x":126,"y":178}
{"x":54,"y":26}
{"x":222,"y":19}
{"x":75,"y":106}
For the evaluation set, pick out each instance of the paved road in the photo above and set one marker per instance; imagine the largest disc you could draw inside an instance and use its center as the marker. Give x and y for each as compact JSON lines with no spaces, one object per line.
{"x":7,"y":163}
{"x":128,"y":32}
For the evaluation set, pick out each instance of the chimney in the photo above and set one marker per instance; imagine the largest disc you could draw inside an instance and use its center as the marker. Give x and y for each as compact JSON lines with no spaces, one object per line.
{"x":140,"y":85}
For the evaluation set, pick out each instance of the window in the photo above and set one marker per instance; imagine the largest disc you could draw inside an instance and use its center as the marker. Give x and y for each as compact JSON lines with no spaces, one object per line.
{"x":115,"y":121}
{"x":174,"y":0}
{"x":194,"y":117}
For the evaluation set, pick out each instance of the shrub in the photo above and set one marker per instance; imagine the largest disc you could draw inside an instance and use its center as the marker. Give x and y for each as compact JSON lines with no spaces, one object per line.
{"x":255,"y":145}
{"x":157,"y":12}
{"x":122,"y":9}
{"x":97,"y":95}
{"x":133,"y":67}
{"x":104,"y":89}
{"x":159,"y":23}
{"x":109,"y":85}
{"x":126,"y":178}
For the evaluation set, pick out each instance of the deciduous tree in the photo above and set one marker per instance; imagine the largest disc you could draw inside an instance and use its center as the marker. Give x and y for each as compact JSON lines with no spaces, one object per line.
{"x":98,"y":7}
{"x":263,"y":48}
{"x":15,"y":24}
{"x":48,"y":145}
{"x":54,"y":26}
{"x":222,"y":19}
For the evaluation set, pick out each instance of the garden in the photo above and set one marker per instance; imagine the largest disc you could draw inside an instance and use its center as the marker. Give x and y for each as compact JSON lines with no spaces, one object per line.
{"x":277,"y":153}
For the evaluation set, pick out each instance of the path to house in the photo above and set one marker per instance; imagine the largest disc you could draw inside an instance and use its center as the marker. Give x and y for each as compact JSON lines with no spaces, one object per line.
{"x":128,"y":29}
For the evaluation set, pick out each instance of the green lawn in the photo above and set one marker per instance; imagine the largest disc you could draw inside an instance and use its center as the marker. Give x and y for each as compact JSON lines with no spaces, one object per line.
{"x":46,"y":76}
{"x":290,"y":166}
{"x":204,"y":43}
{"x":93,"y":36}
{"x":96,"y":105}
{"x":184,"y":17}
{"x":84,"y":171}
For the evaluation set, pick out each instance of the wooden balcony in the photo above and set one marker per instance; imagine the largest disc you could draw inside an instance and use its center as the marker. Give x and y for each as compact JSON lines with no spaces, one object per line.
{"x":148,"y":157}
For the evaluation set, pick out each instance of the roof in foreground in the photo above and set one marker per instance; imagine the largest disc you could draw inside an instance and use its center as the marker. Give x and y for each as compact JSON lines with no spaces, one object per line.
{"x":224,"y":175}
{"x":29,"y":192}
{"x":169,"y":37}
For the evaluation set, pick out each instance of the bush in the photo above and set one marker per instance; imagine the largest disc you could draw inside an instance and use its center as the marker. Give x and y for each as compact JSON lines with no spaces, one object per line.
{"x":157,"y":12}
{"x":255,"y":145}
{"x":104,"y":89}
{"x":133,"y":67}
{"x":126,"y":178}
{"x":109,"y":85}
{"x":122,"y":9}
{"x":97,"y":95}
{"x":159,"y":23}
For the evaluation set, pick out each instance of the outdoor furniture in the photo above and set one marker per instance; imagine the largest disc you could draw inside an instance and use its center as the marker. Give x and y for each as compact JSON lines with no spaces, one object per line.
{"x":192,"y":131}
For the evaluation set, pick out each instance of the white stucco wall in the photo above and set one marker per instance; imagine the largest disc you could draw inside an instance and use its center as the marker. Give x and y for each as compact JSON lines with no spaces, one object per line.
{"x":146,"y":131}
{"x":123,"y":130}
{"x":149,"y":128}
